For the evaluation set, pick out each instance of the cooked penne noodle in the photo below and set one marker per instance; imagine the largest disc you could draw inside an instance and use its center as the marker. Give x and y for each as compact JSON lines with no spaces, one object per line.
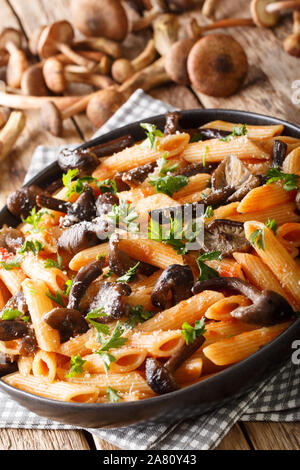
{"x":150,"y":251}
{"x":12,"y":279}
{"x":215,"y":150}
{"x":38,"y":304}
{"x":86,"y":256}
{"x":62,"y":391}
{"x":44,"y":366}
{"x":237,"y":348}
{"x":25,"y":365}
{"x":4,"y":294}
{"x":137,"y":156}
{"x":221,"y":310}
{"x":196,"y":183}
{"x":35,"y":269}
{"x":254,"y":132}
{"x":190,"y":371}
{"x":292,"y":143}
{"x":77,"y":345}
{"x":158,"y":343}
{"x":264,"y":197}
{"x":277,"y":258}
{"x":10,"y":347}
{"x":291,"y":163}
{"x":282,"y":214}
{"x":188,"y":310}
{"x":127,"y":360}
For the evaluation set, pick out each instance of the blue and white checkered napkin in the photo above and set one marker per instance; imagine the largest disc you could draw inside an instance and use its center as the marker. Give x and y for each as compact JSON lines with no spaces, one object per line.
{"x":277,"y":399}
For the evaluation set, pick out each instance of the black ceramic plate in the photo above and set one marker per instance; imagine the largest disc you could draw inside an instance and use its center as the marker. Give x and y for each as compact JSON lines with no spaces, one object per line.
{"x":202,"y":397}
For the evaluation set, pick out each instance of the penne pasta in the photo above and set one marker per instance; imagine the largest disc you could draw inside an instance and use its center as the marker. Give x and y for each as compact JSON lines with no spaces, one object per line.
{"x":86,"y":256}
{"x":35,"y":269}
{"x":44,"y":366}
{"x":264,"y":197}
{"x":254,"y":132}
{"x":291,"y":163}
{"x":221,"y":310}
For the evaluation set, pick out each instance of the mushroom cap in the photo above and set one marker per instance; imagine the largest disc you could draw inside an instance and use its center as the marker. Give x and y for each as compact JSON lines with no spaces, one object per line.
{"x":159,"y":378}
{"x":54,"y":75}
{"x":100,"y":18}
{"x":292,"y":45}
{"x":83,"y":160}
{"x":176,"y":61}
{"x":33,"y":83}
{"x":122,"y":69}
{"x":23,"y":200}
{"x":16,"y":68}
{"x":217,"y":65}
{"x":54,"y":34}
{"x":10,"y":35}
{"x":261,"y":16}
{"x":103,"y":105}
{"x":226,"y":236}
{"x":34,"y":40}
{"x":51,"y":119}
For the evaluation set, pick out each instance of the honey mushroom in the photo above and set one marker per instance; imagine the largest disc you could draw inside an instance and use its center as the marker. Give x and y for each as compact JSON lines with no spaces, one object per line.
{"x":11,"y":41}
{"x":217,"y":65}
{"x":58,"y":37}
{"x":10,"y":132}
{"x":209,"y":8}
{"x":4,"y":115}
{"x":166,"y":32}
{"x":122,"y":69}
{"x":177,"y":54}
{"x":292,"y":42}
{"x":57,"y":76}
{"x":266,"y":13}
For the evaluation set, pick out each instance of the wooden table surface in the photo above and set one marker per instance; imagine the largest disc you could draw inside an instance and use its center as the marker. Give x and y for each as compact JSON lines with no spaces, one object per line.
{"x":268,"y":90}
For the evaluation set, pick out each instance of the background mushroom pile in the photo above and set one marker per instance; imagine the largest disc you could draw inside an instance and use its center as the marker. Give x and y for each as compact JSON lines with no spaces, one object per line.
{"x":91,"y":50}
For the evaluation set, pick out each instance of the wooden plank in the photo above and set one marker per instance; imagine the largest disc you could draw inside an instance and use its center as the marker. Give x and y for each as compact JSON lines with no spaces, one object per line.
{"x":274,"y":436}
{"x":271,"y":70}
{"x":36,"y":439}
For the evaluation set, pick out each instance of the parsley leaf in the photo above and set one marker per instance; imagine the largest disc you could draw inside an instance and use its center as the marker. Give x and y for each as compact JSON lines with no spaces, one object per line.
{"x":99,"y":327}
{"x":28,"y":245}
{"x":108,"y":274}
{"x":164,"y":167}
{"x":209,"y":212}
{"x":113,"y":395}
{"x":290,"y":180}
{"x":168,"y":184}
{"x":174,"y":237}
{"x":190,"y":333}
{"x":51,"y":263}
{"x":137,"y":315}
{"x":57,"y":298}
{"x":68,"y":178}
{"x":10,"y":264}
{"x":258,"y":238}
{"x":68,"y":286}
{"x":107,"y":359}
{"x":272,"y":224}
{"x":115,"y":341}
{"x":131,"y":273}
{"x":124,"y":216}
{"x":107,"y":186}
{"x":34,"y":219}
{"x":206,"y":272}
{"x":196,"y":138}
{"x":152,"y":134}
{"x":12,"y":314}
{"x":237,"y":132}
{"x":76,"y":366}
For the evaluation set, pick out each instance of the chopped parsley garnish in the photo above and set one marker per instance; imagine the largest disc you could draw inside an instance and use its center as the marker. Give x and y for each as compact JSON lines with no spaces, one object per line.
{"x":190,"y":333}
{"x":290,"y":180}
{"x":164,"y":167}
{"x":124,"y":216}
{"x":206,"y":272}
{"x":68,"y":178}
{"x":113,"y":395}
{"x":196,"y":138}
{"x":257,"y":238}
{"x":76,"y":366}
{"x":168,"y":184}
{"x":12,"y":314}
{"x":137,"y":315}
{"x":115,"y":341}
{"x":28,"y":245}
{"x":68,"y":286}
{"x":34,"y":219}
{"x":51,"y":263}
{"x":152,"y":134}
{"x":175,"y":237}
{"x":237,"y":132}
{"x":9,"y":265}
{"x":108,"y":274}
{"x":99,"y":327}
{"x":99,"y":256}
{"x":272,"y":224}
{"x":131,"y":273}
{"x":57,"y":298}
{"x":205,"y":155}
{"x":209,"y":212}
{"x":107,"y":186}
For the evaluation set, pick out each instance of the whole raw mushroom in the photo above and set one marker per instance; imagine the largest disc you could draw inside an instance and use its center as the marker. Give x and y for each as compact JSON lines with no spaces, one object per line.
{"x":217,"y":65}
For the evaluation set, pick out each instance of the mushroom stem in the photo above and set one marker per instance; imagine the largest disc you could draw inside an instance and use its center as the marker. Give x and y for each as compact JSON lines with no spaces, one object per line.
{"x":196,"y":30}
{"x":166,"y":31}
{"x":10,"y":132}
{"x":108,"y":46}
{"x":35,"y":102}
{"x":296,"y":23}
{"x":52,"y":203}
{"x":83,"y":279}
{"x":283,"y":6}
{"x":145,"y":21}
{"x":123,"y":69}
{"x":74,"y":57}
{"x":183,"y":354}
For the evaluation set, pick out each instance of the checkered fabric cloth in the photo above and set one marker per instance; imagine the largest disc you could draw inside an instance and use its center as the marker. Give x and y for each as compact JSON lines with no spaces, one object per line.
{"x":277,"y":399}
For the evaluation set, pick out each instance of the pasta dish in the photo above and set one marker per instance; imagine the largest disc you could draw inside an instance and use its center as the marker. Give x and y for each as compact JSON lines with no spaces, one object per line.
{"x":152,"y":265}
